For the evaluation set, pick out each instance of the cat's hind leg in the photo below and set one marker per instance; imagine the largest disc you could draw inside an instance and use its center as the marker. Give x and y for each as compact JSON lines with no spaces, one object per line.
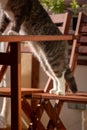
{"x":58,"y":83}
{"x":58,"y":86}
{"x":62,"y":86}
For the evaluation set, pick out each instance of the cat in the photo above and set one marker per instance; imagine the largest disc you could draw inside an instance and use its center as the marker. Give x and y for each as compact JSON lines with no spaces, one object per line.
{"x":32,"y":18}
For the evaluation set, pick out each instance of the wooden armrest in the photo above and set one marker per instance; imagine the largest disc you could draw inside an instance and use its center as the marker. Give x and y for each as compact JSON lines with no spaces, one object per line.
{"x":6,"y":92}
{"x":69,"y":97}
{"x":36,"y":38}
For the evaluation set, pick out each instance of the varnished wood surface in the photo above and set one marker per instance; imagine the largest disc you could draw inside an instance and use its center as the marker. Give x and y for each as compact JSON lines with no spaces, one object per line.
{"x":78,"y":97}
{"x":36,"y":38}
{"x":39,"y":94}
{"x":15,"y":86}
{"x":25,"y":91}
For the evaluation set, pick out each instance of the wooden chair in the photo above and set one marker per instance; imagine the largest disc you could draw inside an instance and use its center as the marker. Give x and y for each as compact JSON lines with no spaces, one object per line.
{"x":44,"y":104}
{"x":43,"y":97}
{"x":26,"y":91}
{"x":81,"y":97}
{"x":63,"y":22}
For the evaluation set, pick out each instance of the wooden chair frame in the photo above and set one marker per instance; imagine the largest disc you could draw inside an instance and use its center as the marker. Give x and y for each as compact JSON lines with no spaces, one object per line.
{"x":81,"y":30}
{"x":6,"y":91}
{"x":15,"y":72}
{"x":44,"y":97}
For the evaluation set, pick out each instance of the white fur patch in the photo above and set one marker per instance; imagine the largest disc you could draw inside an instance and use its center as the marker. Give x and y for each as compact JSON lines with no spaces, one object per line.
{"x":58,"y":86}
{"x":10,"y":15}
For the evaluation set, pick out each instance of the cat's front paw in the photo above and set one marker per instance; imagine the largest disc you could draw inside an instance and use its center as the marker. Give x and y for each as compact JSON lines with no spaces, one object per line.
{"x":11,"y":32}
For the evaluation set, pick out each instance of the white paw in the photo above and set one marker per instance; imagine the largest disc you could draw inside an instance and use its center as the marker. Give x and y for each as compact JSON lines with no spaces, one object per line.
{"x":11,"y":32}
{"x":61,"y":93}
{"x":52,"y":91}
{"x":57,"y":92}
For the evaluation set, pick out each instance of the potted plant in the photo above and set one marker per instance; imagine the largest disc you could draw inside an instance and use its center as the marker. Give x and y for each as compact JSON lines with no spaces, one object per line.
{"x":58,"y":6}
{"x":84,"y":6}
{"x":55,"y":6}
{"x":74,"y":6}
{"x":46,"y":4}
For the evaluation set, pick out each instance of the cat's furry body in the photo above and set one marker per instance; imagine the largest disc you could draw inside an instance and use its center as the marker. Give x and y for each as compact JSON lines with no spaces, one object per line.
{"x":53,"y":54}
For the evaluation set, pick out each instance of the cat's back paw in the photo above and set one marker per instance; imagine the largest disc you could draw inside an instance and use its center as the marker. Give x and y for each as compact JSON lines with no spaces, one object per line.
{"x":11,"y":32}
{"x":57,"y":92}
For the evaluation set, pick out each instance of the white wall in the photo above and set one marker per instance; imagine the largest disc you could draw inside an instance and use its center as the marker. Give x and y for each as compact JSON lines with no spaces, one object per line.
{"x":73,"y":118}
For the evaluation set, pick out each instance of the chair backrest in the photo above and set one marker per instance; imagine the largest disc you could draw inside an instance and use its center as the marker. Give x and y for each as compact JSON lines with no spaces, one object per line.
{"x":82,"y":60}
{"x":62,"y":21}
{"x":79,"y":47}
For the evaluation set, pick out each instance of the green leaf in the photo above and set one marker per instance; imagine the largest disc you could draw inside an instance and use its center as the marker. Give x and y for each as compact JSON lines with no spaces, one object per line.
{"x":56,"y":6}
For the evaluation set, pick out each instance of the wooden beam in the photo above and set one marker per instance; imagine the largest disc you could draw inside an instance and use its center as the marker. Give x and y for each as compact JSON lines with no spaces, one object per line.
{"x":3,"y":71}
{"x":16,"y":113}
{"x":6,"y":92}
{"x":36,"y":38}
{"x":38,"y":93}
{"x":5,"y":58}
{"x":78,"y":97}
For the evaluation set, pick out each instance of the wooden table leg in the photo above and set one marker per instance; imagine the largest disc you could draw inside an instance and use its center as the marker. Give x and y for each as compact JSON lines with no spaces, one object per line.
{"x":15,"y":87}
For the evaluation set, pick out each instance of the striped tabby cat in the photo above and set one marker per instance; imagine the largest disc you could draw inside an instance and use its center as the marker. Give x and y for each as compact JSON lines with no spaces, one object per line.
{"x":34,"y":20}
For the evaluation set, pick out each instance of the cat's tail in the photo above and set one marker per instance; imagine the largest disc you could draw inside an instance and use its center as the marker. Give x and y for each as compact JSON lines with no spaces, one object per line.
{"x":70,"y":80}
